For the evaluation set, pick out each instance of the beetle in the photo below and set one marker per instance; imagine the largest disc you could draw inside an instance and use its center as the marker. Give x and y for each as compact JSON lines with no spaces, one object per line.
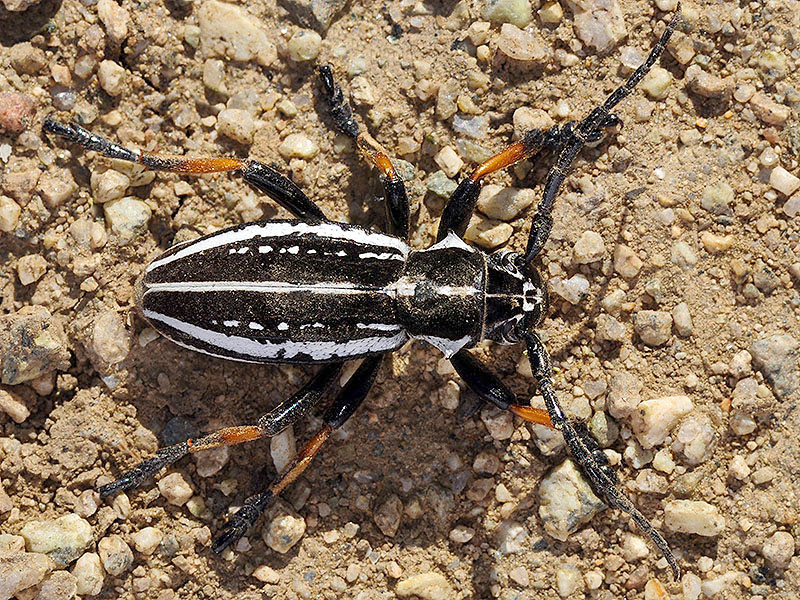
{"x":310,"y":290}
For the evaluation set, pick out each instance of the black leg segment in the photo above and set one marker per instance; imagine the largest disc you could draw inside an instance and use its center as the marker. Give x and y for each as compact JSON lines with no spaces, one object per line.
{"x":344,"y":405}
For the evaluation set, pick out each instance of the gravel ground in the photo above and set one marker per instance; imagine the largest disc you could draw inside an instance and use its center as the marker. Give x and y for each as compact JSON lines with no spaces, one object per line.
{"x":674,"y":268}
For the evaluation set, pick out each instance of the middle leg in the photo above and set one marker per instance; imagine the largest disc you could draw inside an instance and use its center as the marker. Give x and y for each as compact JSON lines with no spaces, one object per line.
{"x":394,"y":190}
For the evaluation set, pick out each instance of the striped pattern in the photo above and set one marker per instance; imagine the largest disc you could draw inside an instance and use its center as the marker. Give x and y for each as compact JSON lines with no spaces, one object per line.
{"x":279,"y":291}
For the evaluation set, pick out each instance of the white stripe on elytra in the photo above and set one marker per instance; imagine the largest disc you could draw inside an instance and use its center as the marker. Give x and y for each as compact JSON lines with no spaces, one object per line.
{"x":378,"y":326}
{"x":447,"y":346}
{"x":273,"y":229}
{"x":263,"y":349}
{"x":271,"y":287}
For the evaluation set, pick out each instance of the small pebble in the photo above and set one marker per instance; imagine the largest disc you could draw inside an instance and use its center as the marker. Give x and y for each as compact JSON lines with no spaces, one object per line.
{"x":227,"y":30}
{"x":284,"y":530}
{"x":88,"y":572}
{"x":13,"y":407}
{"x":624,"y":394}
{"x":510,"y":537}
{"x":60,"y":585}
{"x":778,"y":550}
{"x":521,"y":46}
{"x":706,"y":84}
{"x":693,"y":516}
{"x":488,"y":234}
{"x":776,"y":358}
{"x":566,"y":501}
{"x":502,"y":203}
{"x":550,"y":13}
{"x":387,"y":516}
{"x":714,"y":586}
{"x":739,"y":365}
{"x":62,"y":539}
{"x":446,"y":98}
{"x":147,"y":540}
{"x":654,"y":590}
{"x":266,"y":574}
{"x":695,"y":439}
{"x":112,"y":77}
{"x":283,"y":448}
{"x":516,"y":12}
{"x":127,"y":217}
{"x":115,"y":19}
{"x":683,"y":255}
{"x":634,"y":547}
{"x":654,"y":419}
{"x":16,"y":112}
{"x":656,"y":83}
{"x":610,"y":330}
{"x":783,"y":181}
{"x":237,"y":124}
{"x":626,"y":263}
{"x":426,"y":586}
{"x":109,"y":185}
{"x":768,"y":110}
{"x":569,"y":581}
{"x":716,"y":243}
{"x":115,"y":554}
{"x":304,"y":45}
{"x":298,"y":145}
{"x":9,"y":214}
{"x":717,"y":198}
{"x":573,"y":290}
{"x":22,"y":570}
{"x":653,"y":326}
{"x":461,"y":534}
{"x":682,"y":320}
{"x":175,"y":489}
{"x":111,"y":340}
{"x":449,"y":161}
{"x":589,"y":248}
{"x":439,"y":184}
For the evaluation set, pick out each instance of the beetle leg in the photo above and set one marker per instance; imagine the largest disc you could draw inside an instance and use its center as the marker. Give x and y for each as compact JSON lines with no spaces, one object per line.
{"x":585,"y":450}
{"x":270,"y":424}
{"x":278,"y":187}
{"x":349,"y":399}
{"x":394,"y":189}
{"x":574,"y":137}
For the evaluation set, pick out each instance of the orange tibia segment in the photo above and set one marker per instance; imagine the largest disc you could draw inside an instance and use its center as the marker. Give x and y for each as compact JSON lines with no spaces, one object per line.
{"x":533,"y":415}
{"x":212,"y":165}
{"x":513,"y":154}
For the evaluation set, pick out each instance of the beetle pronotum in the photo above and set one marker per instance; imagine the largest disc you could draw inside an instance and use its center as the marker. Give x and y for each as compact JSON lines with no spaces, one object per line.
{"x":311,"y":290}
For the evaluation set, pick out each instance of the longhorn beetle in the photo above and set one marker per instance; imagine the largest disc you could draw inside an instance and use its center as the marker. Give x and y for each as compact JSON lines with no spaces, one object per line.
{"x":311,"y":290}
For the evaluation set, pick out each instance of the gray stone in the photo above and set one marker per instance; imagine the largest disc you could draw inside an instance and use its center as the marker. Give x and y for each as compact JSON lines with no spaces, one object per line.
{"x":610,"y":330}
{"x":115,"y":554}
{"x":61,"y":585}
{"x":653,"y":326}
{"x":317,"y":14}
{"x":284,"y":529}
{"x":387,"y":516}
{"x":778,"y":358}
{"x":32,"y":343}
{"x":566,"y":501}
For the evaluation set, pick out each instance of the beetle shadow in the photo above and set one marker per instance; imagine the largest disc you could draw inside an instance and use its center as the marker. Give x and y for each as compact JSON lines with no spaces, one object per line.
{"x":16,"y":27}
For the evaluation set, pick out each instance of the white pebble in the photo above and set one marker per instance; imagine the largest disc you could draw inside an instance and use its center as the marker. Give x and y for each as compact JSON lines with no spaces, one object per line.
{"x":147,"y":540}
{"x":237,"y":124}
{"x":654,"y":419}
{"x":519,"y":45}
{"x":304,"y":45}
{"x":499,"y":423}
{"x":112,"y":77}
{"x":783,"y":181}
{"x":504,"y":204}
{"x":573,"y":290}
{"x":62,"y":539}
{"x":626,"y":263}
{"x":284,"y":530}
{"x":9,"y":214}
{"x":693,"y":516}
{"x":127,"y":217}
{"x":175,"y":489}
{"x":656,"y":83}
{"x":569,"y":581}
{"x":88,"y":570}
{"x":566,"y":501}
{"x":109,"y":185}
{"x":778,"y":549}
{"x":210,"y":462}
{"x":111,"y":340}
{"x":682,"y":320}
{"x":488,"y":234}
{"x":589,"y":248}
{"x":13,"y":407}
{"x":653,"y":326}
{"x":427,"y":586}
{"x":449,"y":161}
{"x":229,"y":30}
{"x":283,"y":448}
{"x":298,"y":145}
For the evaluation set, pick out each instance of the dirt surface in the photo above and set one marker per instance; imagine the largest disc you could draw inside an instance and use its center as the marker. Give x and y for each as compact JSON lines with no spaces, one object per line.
{"x":398,"y":492}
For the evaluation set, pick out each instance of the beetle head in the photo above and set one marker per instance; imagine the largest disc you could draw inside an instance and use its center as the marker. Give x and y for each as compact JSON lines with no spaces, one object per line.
{"x":516,"y":298}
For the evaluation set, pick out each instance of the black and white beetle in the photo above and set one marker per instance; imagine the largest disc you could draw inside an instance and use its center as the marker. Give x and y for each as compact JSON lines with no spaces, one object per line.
{"x":315,"y":291}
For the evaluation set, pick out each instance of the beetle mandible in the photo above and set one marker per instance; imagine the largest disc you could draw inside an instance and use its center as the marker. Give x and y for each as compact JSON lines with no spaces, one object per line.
{"x":311,"y":290}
